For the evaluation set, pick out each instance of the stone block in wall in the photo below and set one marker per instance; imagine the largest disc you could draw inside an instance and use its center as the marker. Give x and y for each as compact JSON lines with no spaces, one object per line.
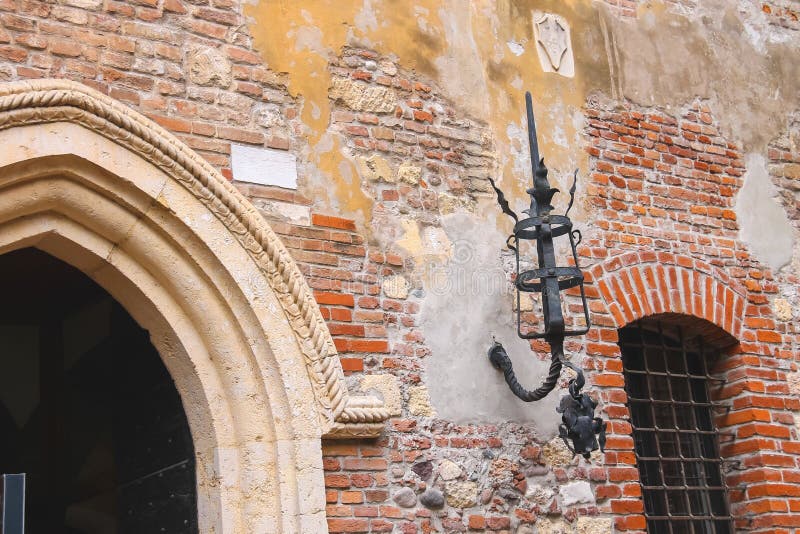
{"x":360,"y":96}
{"x":553,"y":43}
{"x":208,"y":66}
{"x":376,"y":169}
{"x":285,"y":211}
{"x":265,"y":166}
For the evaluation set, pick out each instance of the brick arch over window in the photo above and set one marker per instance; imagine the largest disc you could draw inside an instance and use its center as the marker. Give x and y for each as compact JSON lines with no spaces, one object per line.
{"x":633,"y":286}
{"x":638,"y":284}
{"x":757,"y":426}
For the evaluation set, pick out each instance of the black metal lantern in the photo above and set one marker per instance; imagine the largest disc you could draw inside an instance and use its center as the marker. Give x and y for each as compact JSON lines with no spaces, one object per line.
{"x":541,"y":227}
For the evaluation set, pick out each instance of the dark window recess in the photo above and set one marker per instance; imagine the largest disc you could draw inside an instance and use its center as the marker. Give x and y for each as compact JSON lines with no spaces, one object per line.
{"x":677,"y":446}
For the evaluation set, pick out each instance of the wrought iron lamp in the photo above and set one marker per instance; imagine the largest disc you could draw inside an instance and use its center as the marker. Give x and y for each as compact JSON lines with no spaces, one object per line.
{"x":541,"y":227}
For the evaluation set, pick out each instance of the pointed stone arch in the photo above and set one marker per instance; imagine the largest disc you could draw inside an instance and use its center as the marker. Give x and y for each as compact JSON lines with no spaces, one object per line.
{"x":99,"y":186}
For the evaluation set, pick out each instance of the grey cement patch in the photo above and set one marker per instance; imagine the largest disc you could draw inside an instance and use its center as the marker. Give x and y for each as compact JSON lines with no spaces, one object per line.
{"x":763,"y":223}
{"x":726,"y":52}
{"x":463,"y":308}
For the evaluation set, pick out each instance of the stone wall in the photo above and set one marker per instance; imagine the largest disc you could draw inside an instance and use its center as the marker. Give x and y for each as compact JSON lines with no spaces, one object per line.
{"x":393,"y":220}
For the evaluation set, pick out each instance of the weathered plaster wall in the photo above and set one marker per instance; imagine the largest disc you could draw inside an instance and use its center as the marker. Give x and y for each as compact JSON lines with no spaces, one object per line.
{"x":677,"y":114}
{"x":717,"y":83}
{"x":765,"y":227}
{"x":482,"y":56}
{"x":469,"y":301}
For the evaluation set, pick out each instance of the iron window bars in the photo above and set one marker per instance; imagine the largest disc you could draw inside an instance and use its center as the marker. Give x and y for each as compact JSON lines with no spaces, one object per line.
{"x":676,"y":441}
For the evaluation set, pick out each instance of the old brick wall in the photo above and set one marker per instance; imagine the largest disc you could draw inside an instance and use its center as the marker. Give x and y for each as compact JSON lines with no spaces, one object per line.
{"x":660,"y":195}
{"x":664,"y":238}
{"x":190,"y":68}
{"x":665,"y":188}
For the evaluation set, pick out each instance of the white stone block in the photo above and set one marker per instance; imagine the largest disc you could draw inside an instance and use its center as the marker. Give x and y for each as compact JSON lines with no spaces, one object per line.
{"x":264,"y":166}
{"x":576,"y":493}
{"x":293,"y":213}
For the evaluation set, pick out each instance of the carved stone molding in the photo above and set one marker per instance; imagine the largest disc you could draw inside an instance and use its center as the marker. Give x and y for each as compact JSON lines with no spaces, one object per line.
{"x":48,"y":101}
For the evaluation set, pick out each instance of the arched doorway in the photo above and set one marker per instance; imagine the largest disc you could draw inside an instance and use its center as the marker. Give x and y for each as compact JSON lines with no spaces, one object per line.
{"x":87,"y":409}
{"x":100,"y":187}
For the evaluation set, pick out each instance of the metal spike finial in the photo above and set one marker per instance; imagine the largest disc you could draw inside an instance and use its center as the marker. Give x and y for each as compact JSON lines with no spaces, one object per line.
{"x":580,"y":429}
{"x":532,"y":139}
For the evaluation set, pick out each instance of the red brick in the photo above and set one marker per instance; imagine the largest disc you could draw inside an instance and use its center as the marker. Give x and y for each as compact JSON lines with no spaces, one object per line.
{"x":630,"y":522}
{"x":365,"y":464}
{"x":768,"y":336}
{"x":352,"y":364}
{"x":476,"y":522}
{"x":173,"y":124}
{"x":347,"y":525}
{"x":498,"y":522}
{"x":332,"y":222}
{"x":337,"y":299}
{"x":13,"y":53}
{"x":621,"y":474}
{"x":376,"y":495}
{"x":609,"y":380}
{"x":338,"y":329}
{"x":337,"y":481}
{"x":240,"y":135}
{"x":627,"y":506}
{"x":367,"y":345}
{"x":339,"y":448}
{"x":362,"y":480}
{"x":422,"y":116}
{"x":366,"y":511}
{"x":174,"y":6}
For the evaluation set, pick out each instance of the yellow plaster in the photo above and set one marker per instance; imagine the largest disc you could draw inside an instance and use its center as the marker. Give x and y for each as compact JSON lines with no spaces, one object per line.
{"x":411,"y":241}
{"x":462,"y":47}
{"x":435,"y":39}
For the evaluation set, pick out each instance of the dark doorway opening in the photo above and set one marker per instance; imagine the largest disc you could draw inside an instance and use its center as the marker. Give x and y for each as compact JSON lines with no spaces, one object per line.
{"x":87,"y":409}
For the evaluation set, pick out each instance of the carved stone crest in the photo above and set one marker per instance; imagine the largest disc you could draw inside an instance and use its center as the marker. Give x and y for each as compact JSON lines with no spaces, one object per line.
{"x":553,"y":43}
{"x":553,"y":37}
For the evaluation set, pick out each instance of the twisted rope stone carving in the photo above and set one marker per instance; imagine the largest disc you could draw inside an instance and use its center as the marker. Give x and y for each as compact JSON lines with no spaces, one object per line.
{"x":43,"y":101}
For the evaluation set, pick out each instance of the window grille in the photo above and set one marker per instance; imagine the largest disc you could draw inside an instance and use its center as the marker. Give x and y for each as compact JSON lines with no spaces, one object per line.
{"x":676,"y":441}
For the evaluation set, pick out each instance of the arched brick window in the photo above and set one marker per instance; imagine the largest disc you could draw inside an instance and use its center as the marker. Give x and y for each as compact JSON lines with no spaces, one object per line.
{"x":667,"y":380}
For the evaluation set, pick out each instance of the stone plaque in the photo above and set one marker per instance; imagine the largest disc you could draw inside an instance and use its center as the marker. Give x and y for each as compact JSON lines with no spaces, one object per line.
{"x":553,"y":43}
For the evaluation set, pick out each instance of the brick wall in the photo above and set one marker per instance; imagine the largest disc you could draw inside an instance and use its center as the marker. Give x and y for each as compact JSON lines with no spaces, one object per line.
{"x":661,"y":194}
{"x":665,"y":239}
{"x":783,"y":157}
{"x":141,"y":53}
{"x":419,"y":156}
